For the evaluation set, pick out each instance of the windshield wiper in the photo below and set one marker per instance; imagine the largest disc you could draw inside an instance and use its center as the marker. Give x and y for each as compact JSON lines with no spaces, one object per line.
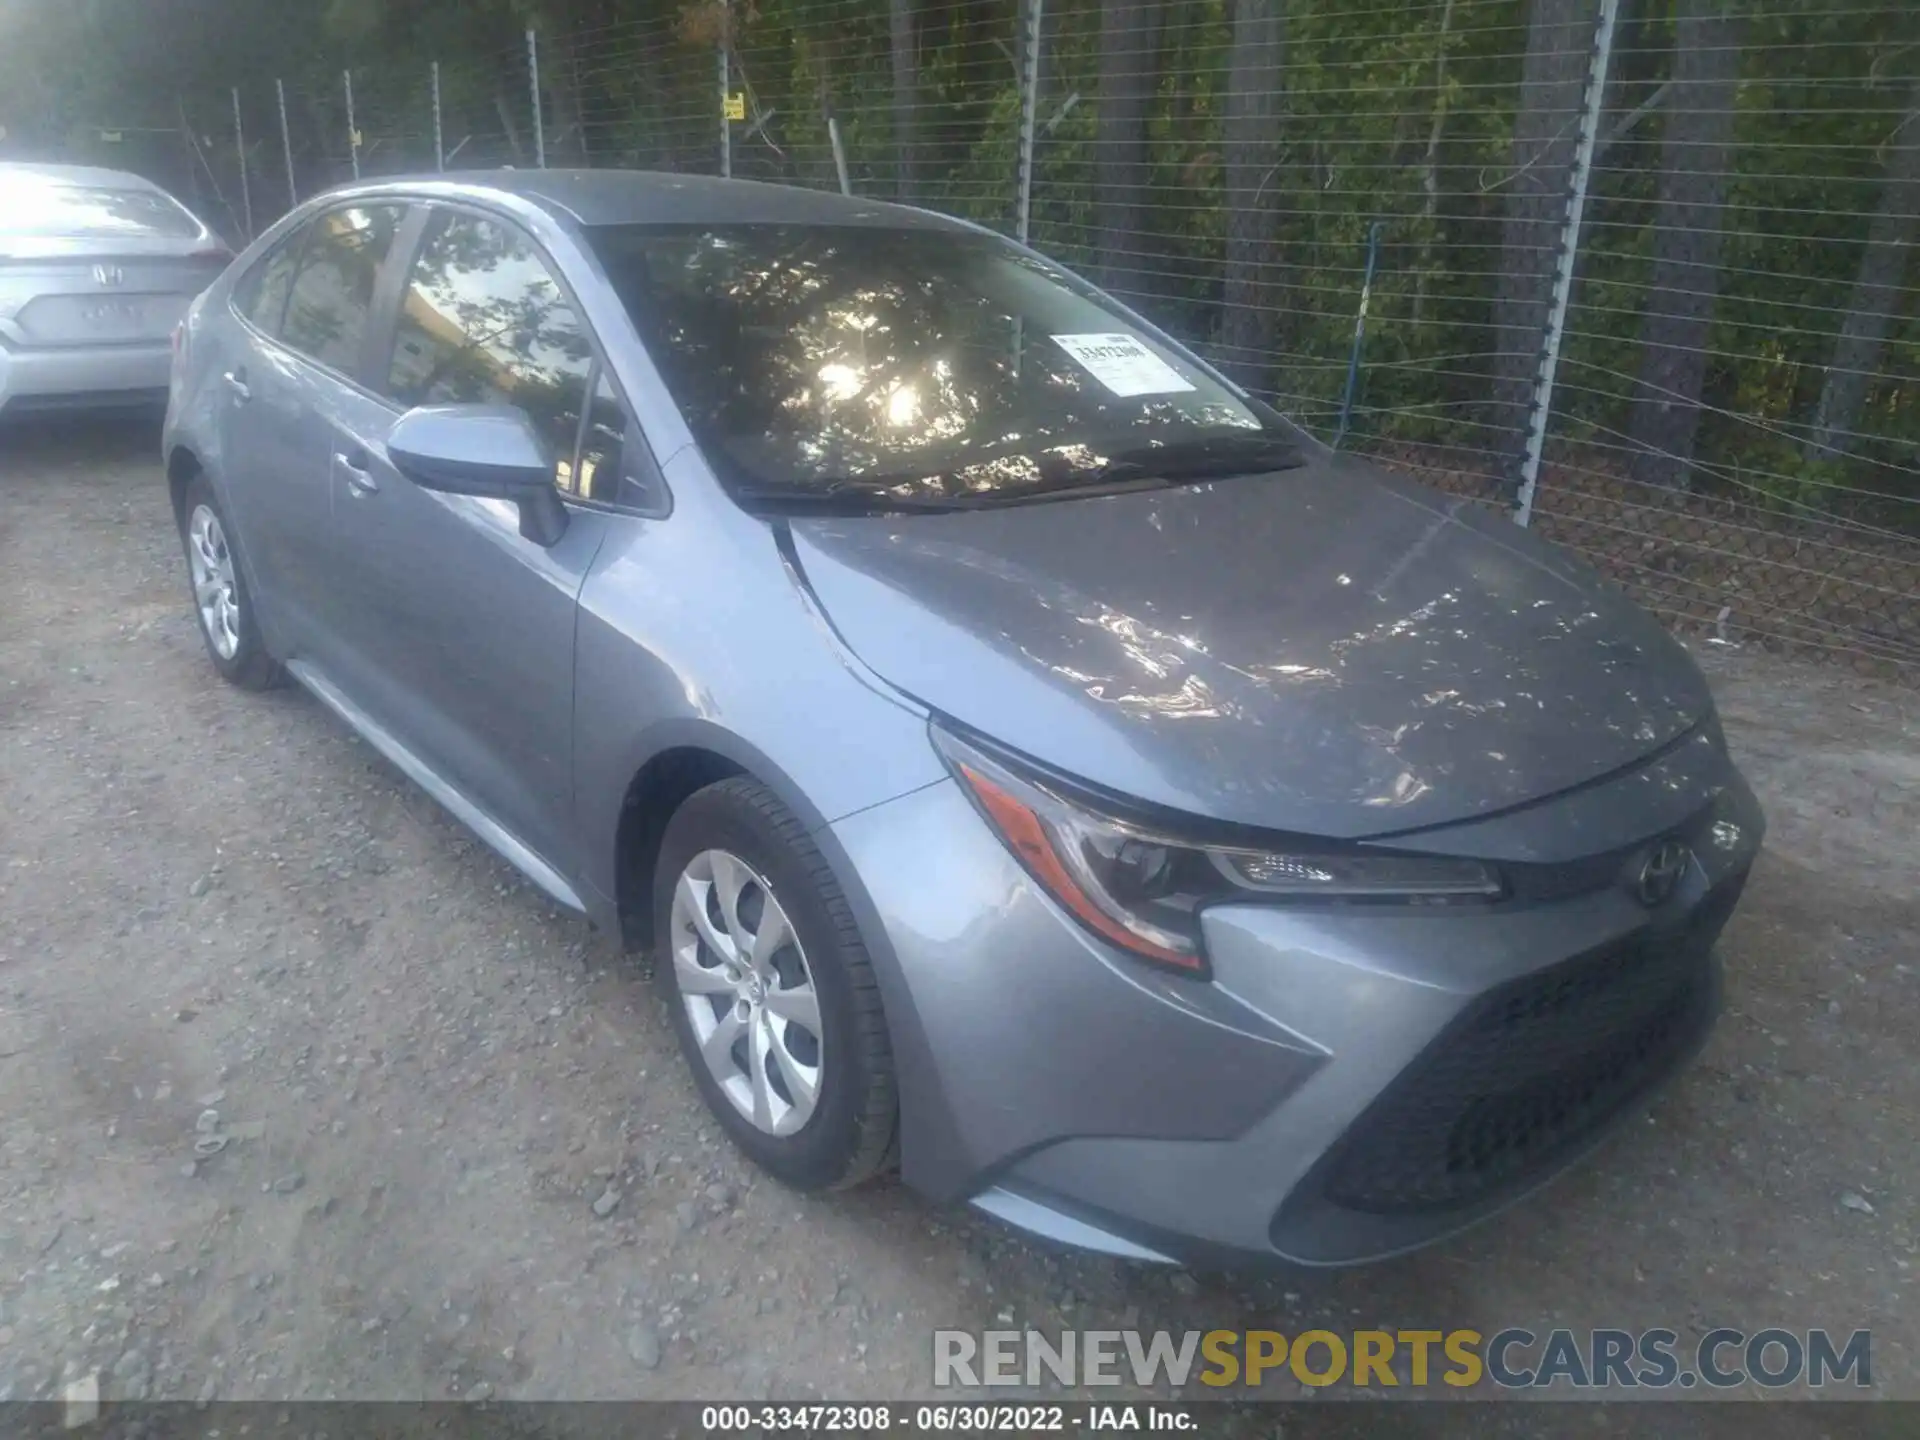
{"x":1153,"y":467}
{"x":843,"y":498}
{"x":1253,"y":452}
{"x":1144,"y":467}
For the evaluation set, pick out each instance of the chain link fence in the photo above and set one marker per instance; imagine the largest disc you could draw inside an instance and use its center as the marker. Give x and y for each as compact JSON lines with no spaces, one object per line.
{"x":1632,"y":270}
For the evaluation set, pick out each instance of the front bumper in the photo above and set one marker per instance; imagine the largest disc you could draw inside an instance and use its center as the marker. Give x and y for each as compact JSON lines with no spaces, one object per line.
{"x":1353,"y":1083}
{"x":64,"y":379}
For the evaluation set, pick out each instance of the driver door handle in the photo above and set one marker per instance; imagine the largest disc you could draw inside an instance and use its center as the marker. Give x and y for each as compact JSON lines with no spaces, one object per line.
{"x":352,"y":468}
{"x":237,"y":383}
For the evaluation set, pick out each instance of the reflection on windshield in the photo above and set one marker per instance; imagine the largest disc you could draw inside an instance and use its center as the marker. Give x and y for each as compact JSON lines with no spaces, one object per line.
{"x":920,"y":364}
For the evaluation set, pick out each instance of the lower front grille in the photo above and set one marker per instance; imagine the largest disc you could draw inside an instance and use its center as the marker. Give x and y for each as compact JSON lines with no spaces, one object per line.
{"x":1531,"y":1072}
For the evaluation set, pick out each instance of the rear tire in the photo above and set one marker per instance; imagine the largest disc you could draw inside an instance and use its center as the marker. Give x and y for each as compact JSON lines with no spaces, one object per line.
{"x":772,"y":990}
{"x":221,"y":602}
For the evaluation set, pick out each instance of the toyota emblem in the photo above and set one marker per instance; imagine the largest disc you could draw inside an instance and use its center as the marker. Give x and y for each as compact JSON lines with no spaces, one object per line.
{"x":1661,"y":874}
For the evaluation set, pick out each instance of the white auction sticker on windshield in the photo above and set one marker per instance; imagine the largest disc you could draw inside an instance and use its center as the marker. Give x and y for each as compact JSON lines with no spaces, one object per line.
{"x":1123,"y":364}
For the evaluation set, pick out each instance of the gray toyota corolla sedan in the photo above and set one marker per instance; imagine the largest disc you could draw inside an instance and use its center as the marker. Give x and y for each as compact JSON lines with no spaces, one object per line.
{"x":1029,"y":760}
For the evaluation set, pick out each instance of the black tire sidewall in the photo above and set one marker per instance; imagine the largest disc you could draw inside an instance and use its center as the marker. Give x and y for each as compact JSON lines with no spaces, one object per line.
{"x":724,"y":817}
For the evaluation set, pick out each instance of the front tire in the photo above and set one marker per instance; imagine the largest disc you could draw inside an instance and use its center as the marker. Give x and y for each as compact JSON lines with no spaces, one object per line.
{"x":772,"y":992}
{"x":221,"y":601}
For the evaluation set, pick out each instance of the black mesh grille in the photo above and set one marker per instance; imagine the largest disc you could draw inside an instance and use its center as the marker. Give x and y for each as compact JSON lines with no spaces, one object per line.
{"x":1531,"y":1071}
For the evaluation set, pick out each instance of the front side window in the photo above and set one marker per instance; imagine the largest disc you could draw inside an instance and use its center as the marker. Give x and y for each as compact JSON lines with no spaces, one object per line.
{"x":332,"y":295}
{"x":483,"y":322}
{"x":815,"y":360}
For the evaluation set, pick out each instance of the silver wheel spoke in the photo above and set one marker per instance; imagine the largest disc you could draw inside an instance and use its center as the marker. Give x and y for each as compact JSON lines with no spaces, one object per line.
{"x":758,"y":1043}
{"x":773,"y":933}
{"x":206,"y":590}
{"x":692,"y":895}
{"x":698,"y":979}
{"x":717,"y":1048}
{"x":803,"y":1082}
{"x":799,"y":1005}
{"x":730,"y":877}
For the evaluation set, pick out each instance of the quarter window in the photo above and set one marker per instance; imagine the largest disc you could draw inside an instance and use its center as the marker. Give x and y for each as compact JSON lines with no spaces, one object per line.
{"x":596,"y":473}
{"x":262,"y":296}
{"x":483,"y":322}
{"x":333,"y":296}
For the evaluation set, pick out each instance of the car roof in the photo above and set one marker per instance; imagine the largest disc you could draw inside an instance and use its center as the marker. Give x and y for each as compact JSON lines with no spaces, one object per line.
{"x":76,"y":175}
{"x":638,"y":197}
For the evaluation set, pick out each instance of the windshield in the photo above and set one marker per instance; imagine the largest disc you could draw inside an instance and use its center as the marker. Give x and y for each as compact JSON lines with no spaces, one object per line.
{"x":32,"y":205}
{"x":920,"y":364}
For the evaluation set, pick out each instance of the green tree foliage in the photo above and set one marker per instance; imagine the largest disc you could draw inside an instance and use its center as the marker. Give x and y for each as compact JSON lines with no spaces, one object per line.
{"x":1240,"y":221}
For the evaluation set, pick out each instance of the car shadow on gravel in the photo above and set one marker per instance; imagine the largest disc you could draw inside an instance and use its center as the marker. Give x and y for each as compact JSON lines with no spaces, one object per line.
{"x":111,"y":437}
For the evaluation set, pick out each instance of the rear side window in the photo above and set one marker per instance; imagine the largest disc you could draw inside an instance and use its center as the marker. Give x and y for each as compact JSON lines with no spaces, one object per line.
{"x":262,"y":293}
{"x":332,"y":295}
{"x":484,"y":322}
{"x":34,"y":205}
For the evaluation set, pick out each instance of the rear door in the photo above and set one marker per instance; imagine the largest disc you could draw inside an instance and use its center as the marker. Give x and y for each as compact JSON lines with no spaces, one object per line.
{"x":462,"y":632}
{"x":305,"y":315}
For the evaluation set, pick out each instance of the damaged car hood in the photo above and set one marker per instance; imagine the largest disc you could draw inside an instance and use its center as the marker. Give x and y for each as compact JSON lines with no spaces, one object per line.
{"x":1325,"y":650}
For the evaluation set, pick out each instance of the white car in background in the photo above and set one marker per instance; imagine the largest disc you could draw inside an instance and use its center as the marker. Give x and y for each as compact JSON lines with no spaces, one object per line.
{"x":97,"y":267}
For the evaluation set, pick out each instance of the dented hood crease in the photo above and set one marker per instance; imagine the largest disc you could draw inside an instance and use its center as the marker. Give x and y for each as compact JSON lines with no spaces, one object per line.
{"x":1325,"y":650}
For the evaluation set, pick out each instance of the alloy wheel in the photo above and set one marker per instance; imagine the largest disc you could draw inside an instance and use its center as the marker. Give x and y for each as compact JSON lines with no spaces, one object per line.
{"x":749,"y":995}
{"x":213,"y":588}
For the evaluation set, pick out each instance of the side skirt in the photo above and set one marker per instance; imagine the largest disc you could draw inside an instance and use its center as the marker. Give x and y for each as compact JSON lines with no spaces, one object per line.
{"x":497,"y":836}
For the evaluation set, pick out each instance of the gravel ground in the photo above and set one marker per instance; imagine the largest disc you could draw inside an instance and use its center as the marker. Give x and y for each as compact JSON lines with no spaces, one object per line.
{"x":461,"y":1157}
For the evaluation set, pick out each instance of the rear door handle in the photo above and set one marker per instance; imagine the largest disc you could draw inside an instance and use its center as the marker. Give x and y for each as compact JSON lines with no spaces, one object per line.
{"x":352,"y":468}
{"x":237,"y":382}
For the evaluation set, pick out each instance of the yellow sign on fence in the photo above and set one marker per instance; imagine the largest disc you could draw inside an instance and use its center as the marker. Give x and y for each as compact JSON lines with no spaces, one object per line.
{"x":737,"y":105}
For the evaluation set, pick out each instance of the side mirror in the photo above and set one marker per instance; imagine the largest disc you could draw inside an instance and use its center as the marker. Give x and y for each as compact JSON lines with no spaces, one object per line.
{"x":485,"y":450}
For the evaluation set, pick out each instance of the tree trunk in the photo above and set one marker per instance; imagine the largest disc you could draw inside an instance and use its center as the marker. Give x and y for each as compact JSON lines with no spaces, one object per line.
{"x":1430,"y":164}
{"x":1249,"y":325}
{"x":1876,"y":292}
{"x":1129,"y":74}
{"x":505,"y":112}
{"x":903,"y":19}
{"x":1695,"y":158}
{"x":1559,"y":46}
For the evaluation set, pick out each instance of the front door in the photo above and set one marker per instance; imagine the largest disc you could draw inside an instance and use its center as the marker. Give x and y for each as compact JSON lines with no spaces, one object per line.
{"x":461,"y":631}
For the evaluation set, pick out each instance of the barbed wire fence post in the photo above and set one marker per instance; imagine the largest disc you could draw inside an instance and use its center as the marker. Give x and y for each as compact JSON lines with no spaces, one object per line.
{"x":240,"y":154}
{"x":1030,"y":29}
{"x":839,"y":155}
{"x":439,"y":134}
{"x":1355,"y":357}
{"x":1540,"y":404}
{"x":725,"y":68}
{"x":539,"y":120}
{"x":286,"y":142}
{"x":353,"y":129}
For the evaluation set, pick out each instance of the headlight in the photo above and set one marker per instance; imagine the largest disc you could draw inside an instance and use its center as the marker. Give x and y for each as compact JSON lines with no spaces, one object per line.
{"x":1143,"y":890}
